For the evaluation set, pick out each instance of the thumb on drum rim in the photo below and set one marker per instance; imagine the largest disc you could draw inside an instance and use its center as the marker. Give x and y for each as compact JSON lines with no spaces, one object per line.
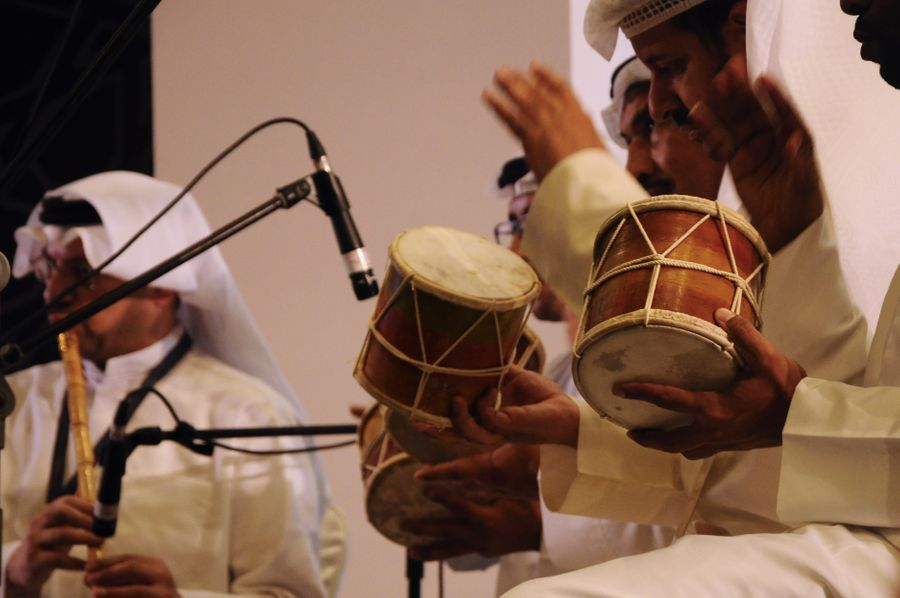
{"x":752,"y":346}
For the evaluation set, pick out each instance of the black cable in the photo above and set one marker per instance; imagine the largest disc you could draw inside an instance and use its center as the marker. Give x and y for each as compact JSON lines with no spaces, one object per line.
{"x":222,"y":445}
{"x":152,"y":390}
{"x":34,"y":145}
{"x":309,"y":449}
{"x":54,"y":64}
{"x":55,"y":301}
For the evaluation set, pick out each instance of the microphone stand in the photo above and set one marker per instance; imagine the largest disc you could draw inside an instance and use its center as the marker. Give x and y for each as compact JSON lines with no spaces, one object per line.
{"x":200,"y":442}
{"x":415,"y":571}
{"x":285,"y":197}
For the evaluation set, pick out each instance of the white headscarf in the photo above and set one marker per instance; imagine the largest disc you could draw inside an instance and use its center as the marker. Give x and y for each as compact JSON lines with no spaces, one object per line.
{"x":629,"y":73}
{"x":212,"y":309}
{"x":604,"y":18}
{"x":854,"y":116}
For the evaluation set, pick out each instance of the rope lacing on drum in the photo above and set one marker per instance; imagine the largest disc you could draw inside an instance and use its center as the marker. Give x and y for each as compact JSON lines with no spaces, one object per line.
{"x":424,"y":365}
{"x":657,"y":260}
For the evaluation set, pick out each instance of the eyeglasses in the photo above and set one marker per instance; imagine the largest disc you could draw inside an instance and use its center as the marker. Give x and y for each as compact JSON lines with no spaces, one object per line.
{"x":505,"y":232}
{"x":45,"y":265}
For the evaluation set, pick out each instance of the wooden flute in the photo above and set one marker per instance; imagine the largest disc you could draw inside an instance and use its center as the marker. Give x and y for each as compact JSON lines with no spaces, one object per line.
{"x":78,"y":420}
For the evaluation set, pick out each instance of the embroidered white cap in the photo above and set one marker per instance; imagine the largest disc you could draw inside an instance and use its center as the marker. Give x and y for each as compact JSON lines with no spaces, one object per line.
{"x":628,"y":73}
{"x":604,"y":18}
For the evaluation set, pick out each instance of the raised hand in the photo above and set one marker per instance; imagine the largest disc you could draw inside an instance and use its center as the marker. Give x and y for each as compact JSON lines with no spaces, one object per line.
{"x":540,"y":109}
{"x":768,"y":148}
{"x":749,"y":415}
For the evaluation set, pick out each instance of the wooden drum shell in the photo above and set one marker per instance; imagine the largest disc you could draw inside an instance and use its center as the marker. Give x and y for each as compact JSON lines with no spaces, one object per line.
{"x":437,"y":445}
{"x":678,"y":323}
{"x":414,"y":315}
{"x":393,"y":495}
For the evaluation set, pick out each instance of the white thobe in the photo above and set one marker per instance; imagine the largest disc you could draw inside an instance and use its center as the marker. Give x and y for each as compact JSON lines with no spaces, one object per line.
{"x":611,"y":477}
{"x":840,"y":465}
{"x":570,"y":542}
{"x":226,"y":524}
{"x":841,"y":458}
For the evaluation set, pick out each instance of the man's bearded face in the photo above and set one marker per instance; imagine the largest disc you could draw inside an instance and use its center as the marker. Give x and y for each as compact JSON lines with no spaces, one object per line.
{"x":682,"y":67}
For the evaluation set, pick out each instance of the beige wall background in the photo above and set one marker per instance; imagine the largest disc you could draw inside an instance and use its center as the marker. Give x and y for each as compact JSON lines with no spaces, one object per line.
{"x":392,"y":89}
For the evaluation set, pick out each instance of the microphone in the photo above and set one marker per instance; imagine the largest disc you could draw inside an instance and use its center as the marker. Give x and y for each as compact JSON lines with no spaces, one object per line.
{"x":333,"y":202}
{"x":106,"y":509}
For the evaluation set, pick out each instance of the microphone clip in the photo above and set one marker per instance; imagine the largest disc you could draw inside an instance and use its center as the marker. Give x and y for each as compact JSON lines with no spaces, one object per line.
{"x":293,"y":193}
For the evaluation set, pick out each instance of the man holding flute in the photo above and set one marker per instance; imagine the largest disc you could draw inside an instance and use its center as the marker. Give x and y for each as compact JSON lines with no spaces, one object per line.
{"x":188,"y":525}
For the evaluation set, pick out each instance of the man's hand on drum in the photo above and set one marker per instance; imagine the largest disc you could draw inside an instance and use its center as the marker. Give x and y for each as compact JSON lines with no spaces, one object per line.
{"x":489,"y":528}
{"x":509,"y":471}
{"x":749,"y":415}
{"x":131,"y":576}
{"x":534,"y":410}
{"x":57,"y":527}
{"x":540,"y":109}
{"x":769,"y":150}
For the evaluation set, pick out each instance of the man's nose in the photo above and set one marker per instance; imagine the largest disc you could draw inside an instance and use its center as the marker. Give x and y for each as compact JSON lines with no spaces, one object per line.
{"x":663,"y":101}
{"x":55,"y":283}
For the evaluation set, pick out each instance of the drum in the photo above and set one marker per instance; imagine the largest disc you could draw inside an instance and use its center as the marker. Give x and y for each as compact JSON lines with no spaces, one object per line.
{"x":371,"y":424}
{"x":435,"y":446}
{"x":661,"y":269}
{"x":393,"y":495}
{"x":530,"y":353}
{"x":447,"y":320}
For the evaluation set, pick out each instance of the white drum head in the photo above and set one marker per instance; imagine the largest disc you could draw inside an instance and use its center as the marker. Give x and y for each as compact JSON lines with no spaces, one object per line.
{"x":467,"y":266}
{"x":395,"y":496}
{"x":659,"y":354}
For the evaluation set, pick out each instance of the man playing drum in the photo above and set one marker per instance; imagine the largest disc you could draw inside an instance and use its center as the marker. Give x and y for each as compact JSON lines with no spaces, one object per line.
{"x":664,"y":160}
{"x":576,"y":196}
{"x":188,"y":524}
{"x":774,"y":564}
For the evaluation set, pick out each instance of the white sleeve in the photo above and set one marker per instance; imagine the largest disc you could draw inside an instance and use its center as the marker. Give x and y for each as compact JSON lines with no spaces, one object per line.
{"x":841,"y":459}
{"x":571,"y":542}
{"x":610,"y":476}
{"x":572,"y":203}
{"x":808,"y":313}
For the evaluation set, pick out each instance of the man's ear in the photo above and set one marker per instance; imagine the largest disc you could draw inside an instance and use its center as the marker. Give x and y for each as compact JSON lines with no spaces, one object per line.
{"x":735,"y":33}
